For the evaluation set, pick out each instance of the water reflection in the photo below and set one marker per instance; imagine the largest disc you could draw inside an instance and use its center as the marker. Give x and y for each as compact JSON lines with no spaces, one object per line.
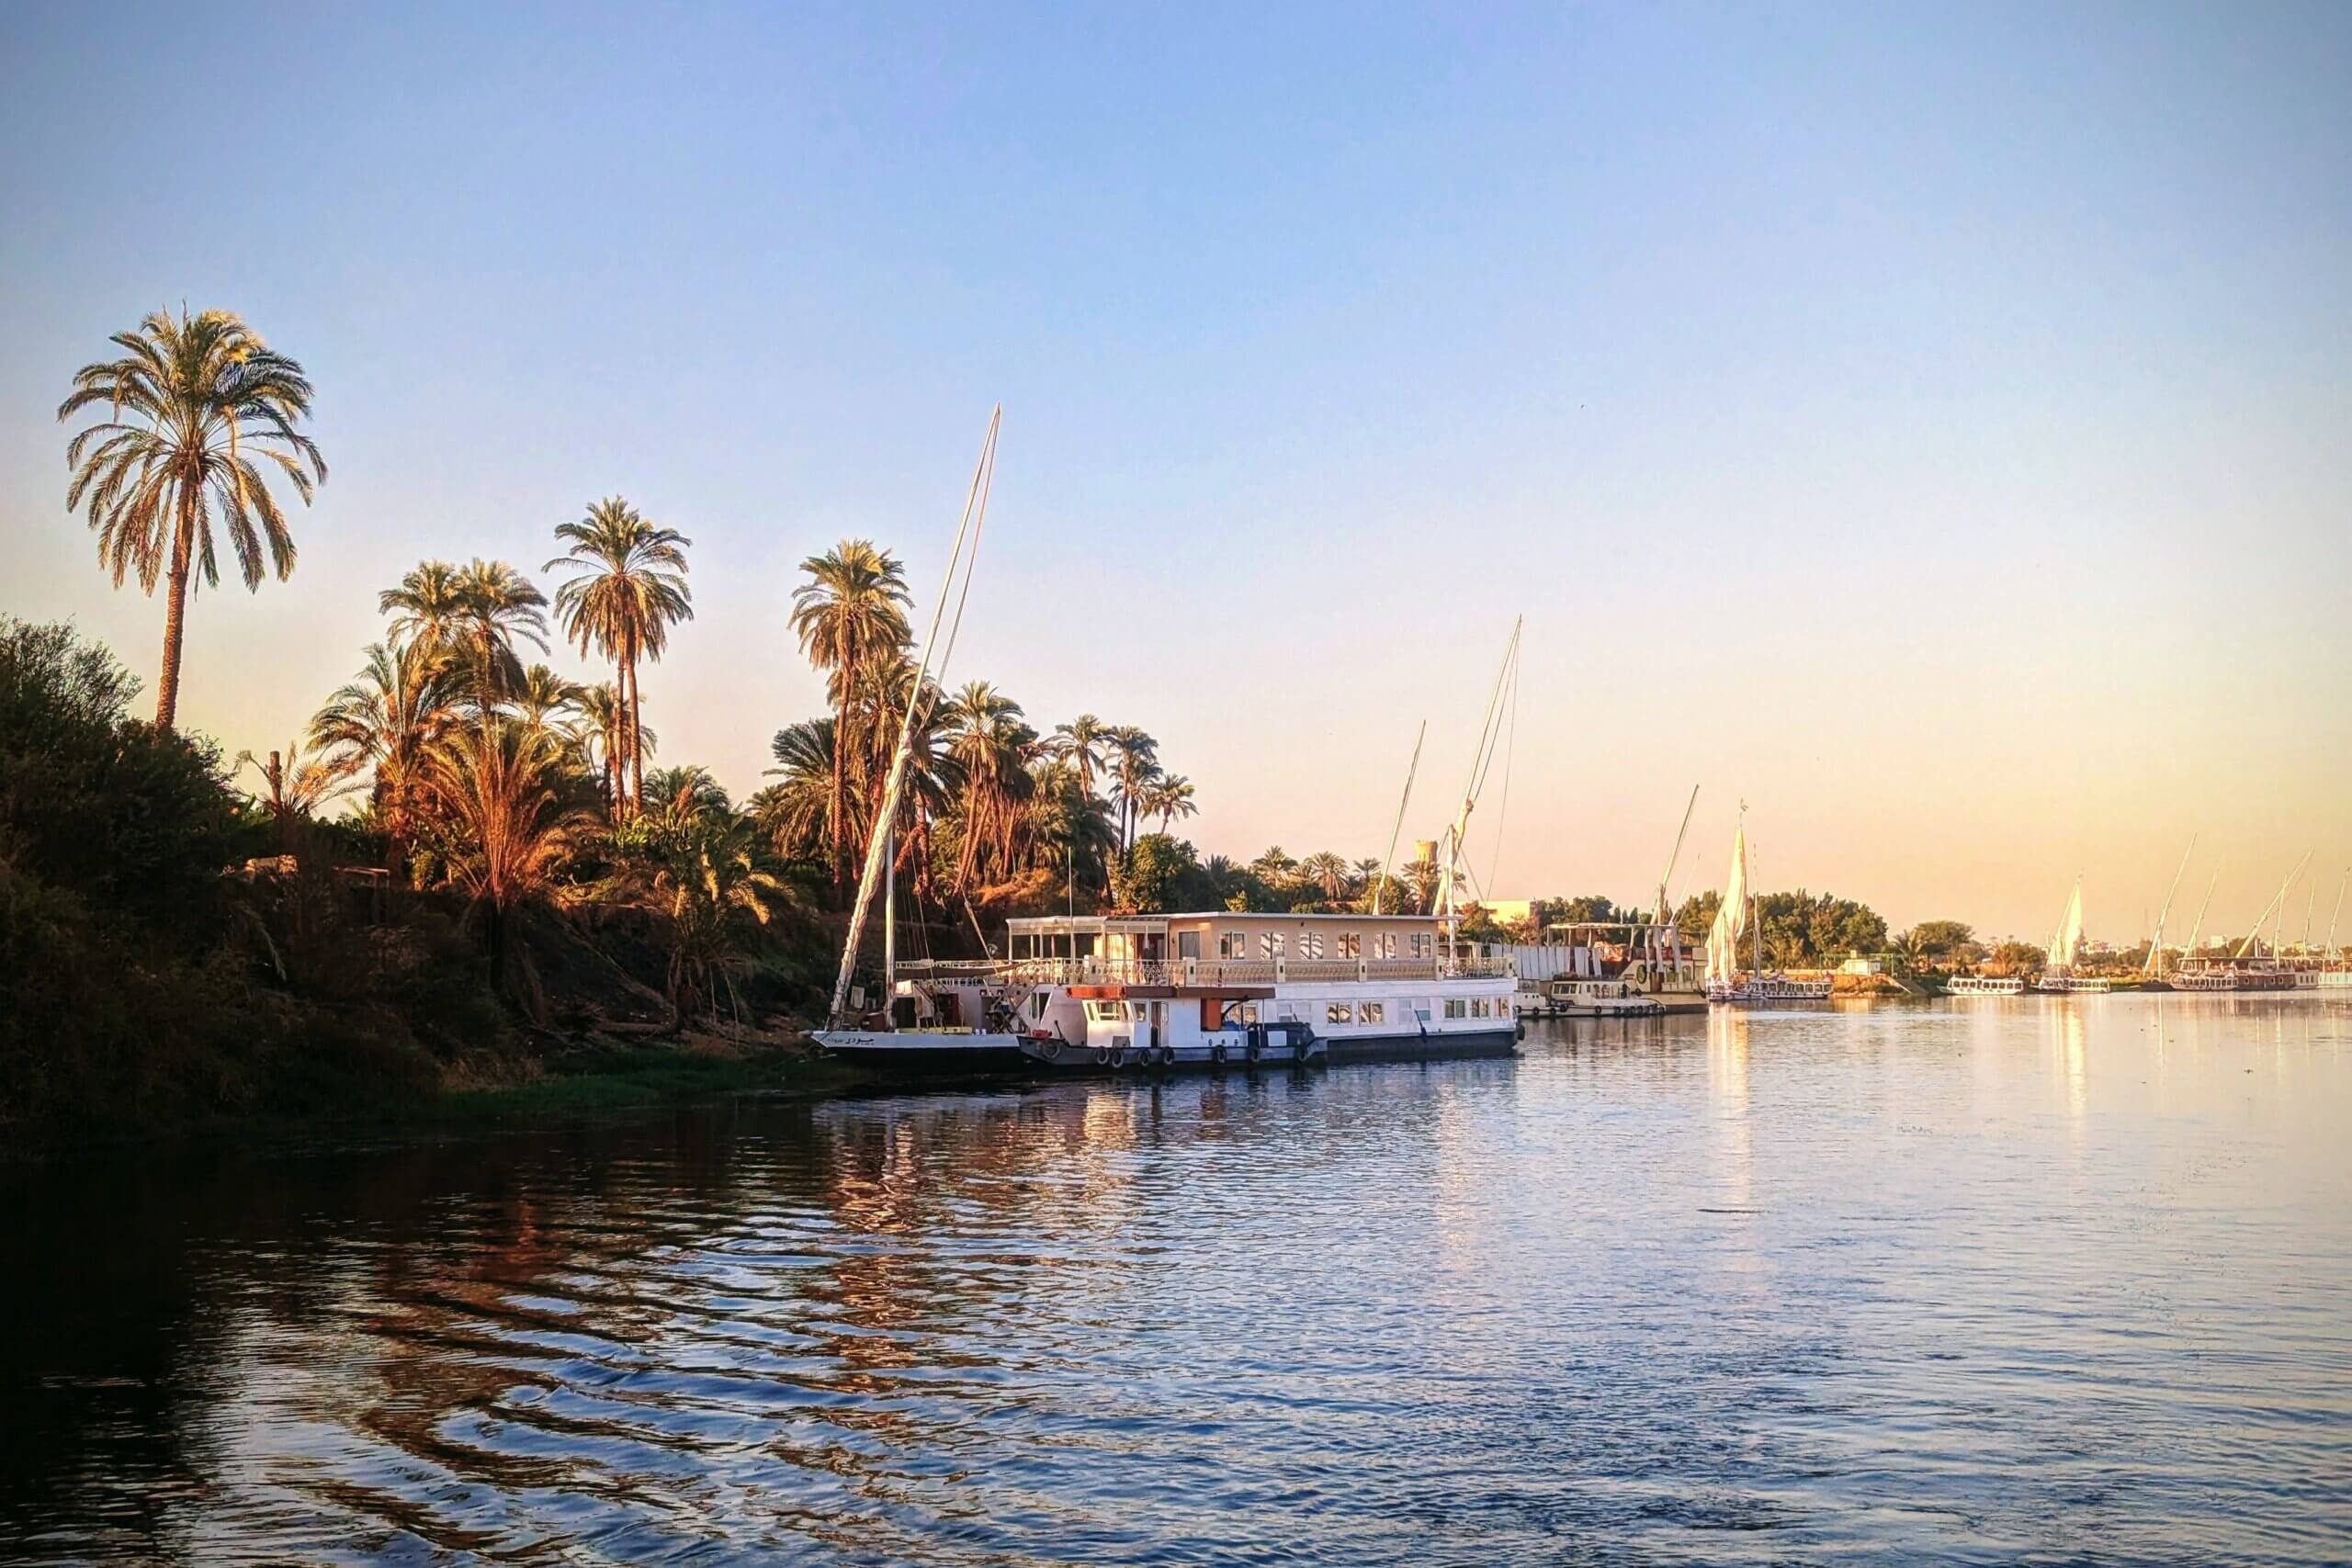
{"x":1783,"y":1285}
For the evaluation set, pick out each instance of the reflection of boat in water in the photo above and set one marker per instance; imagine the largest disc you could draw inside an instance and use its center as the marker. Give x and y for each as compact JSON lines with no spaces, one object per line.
{"x":1985,"y":985}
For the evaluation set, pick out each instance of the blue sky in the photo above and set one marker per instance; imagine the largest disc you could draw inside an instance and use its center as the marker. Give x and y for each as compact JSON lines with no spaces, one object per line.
{"x":1926,"y":423}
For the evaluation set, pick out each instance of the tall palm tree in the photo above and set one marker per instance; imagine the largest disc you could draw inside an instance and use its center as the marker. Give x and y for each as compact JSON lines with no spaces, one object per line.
{"x":191,"y":404}
{"x":710,"y":884}
{"x":848,"y":616}
{"x":1134,"y":762}
{"x":630,"y":590}
{"x":385,"y":721}
{"x":473,"y":614}
{"x":991,"y":749}
{"x":1079,"y":743}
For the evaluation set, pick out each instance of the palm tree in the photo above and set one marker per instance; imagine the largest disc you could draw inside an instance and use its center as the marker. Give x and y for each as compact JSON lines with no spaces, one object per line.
{"x":795,"y":811}
{"x":990,"y":748}
{"x":688,"y":795}
{"x":632,"y":587}
{"x":548,"y":701}
{"x":848,"y":616}
{"x":191,"y":404}
{"x":710,"y":885}
{"x":385,"y":721}
{"x":1134,"y":762}
{"x":473,"y":613}
{"x":1168,"y":798}
{"x":606,"y":719}
{"x":507,"y":789}
{"x":1079,"y":743}
{"x":1327,"y":872}
{"x":294,"y":790}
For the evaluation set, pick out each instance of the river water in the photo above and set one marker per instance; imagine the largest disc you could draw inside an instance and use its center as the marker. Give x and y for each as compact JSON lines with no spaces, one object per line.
{"x":2002,"y":1281}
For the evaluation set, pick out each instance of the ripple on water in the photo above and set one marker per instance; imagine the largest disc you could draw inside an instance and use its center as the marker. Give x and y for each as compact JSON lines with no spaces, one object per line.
{"x":2006,"y":1282}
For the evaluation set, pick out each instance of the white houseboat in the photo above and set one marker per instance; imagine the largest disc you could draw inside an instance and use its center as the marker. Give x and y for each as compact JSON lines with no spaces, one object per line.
{"x":1985,"y":985}
{"x":1200,"y":990}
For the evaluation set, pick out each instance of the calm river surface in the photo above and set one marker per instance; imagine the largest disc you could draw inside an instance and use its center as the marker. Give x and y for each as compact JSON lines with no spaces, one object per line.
{"x":2006,"y":1280}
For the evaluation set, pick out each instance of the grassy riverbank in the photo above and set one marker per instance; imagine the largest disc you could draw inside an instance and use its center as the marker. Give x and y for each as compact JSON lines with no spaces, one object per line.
{"x":617,"y":1079}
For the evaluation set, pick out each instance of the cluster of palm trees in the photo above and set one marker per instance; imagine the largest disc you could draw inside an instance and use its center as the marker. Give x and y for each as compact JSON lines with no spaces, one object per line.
{"x":988,"y":798}
{"x":1323,"y":880}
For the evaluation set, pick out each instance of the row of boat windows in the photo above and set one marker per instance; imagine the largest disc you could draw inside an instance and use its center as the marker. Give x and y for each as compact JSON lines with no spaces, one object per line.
{"x":1346,"y":1013}
{"x":1311,"y":945}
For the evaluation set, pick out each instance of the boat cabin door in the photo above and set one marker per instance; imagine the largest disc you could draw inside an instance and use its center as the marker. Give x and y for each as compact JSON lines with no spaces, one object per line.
{"x":1158,"y":1025}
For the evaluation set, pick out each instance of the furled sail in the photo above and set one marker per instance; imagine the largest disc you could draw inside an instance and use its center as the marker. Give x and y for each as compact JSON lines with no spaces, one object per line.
{"x":2068,"y":942}
{"x":1731,"y":915}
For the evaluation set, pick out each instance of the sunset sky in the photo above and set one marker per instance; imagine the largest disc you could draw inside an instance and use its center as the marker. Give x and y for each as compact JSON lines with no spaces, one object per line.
{"x":1932,"y":425}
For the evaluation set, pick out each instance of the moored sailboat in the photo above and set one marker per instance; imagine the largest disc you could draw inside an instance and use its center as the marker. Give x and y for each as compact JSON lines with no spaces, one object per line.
{"x":2066,"y":947}
{"x":1727,"y":984}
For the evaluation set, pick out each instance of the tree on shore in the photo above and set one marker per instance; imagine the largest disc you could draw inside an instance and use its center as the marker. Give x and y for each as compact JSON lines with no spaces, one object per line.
{"x":630,"y":590}
{"x":195,"y":405}
{"x":849,"y":617}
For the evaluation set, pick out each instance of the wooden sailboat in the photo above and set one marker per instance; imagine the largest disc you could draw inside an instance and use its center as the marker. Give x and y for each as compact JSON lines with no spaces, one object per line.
{"x":2066,"y":947}
{"x":1727,"y":985}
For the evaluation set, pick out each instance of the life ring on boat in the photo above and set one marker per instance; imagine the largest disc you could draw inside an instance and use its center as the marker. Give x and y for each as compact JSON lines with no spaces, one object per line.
{"x":1216,"y":1053}
{"x":1050,"y":1048}
{"x":1119,"y":1058}
{"x":1101,"y":1057}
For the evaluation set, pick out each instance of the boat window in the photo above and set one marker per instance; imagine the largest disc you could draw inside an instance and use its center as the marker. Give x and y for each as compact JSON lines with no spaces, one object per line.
{"x":1188,"y":944}
{"x":1455,"y":1007}
{"x":1232,"y":944}
{"x":1372,"y":1013}
{"x":1422,"y":946}
{"x":1310,"y":944}
{"x":1337,"y":1012}
{"x":1350,"y":946}
{"x":1037,"y":1004}
{"x":1270,"y":944}
{"x":1138,"y":1008}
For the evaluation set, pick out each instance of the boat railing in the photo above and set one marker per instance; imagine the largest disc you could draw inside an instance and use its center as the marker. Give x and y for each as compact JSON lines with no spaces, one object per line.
{"x":1195,"y":971}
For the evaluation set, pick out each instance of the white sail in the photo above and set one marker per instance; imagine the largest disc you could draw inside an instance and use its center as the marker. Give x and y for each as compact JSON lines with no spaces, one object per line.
{"x":2068,"y":942}
{"x":1731,"y":915}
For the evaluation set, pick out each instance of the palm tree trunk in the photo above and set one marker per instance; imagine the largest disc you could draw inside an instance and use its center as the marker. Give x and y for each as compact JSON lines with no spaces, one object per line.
{"x":636,"y":739}
{"x":167,"y":688}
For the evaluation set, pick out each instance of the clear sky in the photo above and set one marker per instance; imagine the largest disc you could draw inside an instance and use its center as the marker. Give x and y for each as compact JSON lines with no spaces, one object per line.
{"x":1932,"y":425}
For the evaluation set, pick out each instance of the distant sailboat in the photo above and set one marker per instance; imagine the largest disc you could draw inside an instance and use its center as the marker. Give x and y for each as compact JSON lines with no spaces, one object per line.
{"x":1734,"y":916}
{"x":2066,"y":947}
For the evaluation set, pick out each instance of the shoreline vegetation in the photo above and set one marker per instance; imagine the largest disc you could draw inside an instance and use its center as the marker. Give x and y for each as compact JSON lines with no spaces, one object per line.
{"x":463,"y":888}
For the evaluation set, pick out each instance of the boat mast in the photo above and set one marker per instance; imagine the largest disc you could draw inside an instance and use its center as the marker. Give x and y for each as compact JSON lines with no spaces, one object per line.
{"x":1483,"y":759}
{"x":2338,"y":911}
{"x":1380,"y":888}
{"x":2156,"y":965}
{"x":1667,"y":876}
{"x":890,"y":918}
{"x":2276,"y":900}
{"x":1755,"y":898}
{"x":2198,"y":926}
{"x":877,"y":845}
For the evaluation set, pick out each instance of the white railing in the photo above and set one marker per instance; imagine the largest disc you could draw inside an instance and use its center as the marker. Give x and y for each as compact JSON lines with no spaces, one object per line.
{"x":1198,"y":972}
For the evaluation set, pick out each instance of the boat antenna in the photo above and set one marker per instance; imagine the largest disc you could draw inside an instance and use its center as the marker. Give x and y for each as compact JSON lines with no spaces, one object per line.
{"x":959,"y":560}
{"x":1380,"y":888}
{"x":2156,"y":965}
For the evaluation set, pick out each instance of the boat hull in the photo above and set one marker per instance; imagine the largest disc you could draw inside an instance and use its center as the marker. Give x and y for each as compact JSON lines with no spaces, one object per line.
{"x":926,"y":1054}
{"x":1433,"y":1047}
